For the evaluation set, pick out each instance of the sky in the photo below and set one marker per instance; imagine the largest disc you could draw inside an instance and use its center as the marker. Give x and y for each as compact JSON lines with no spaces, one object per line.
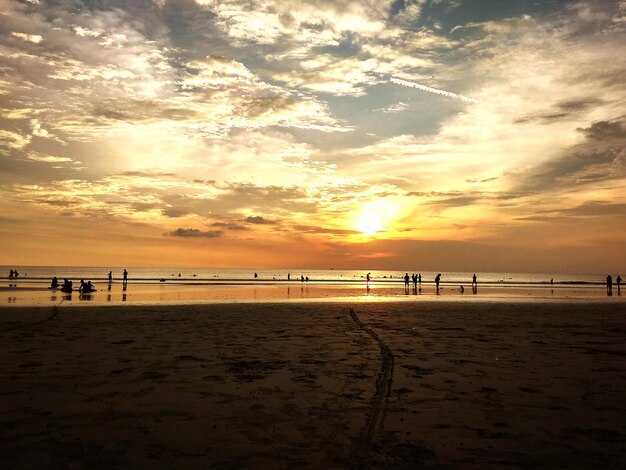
{"x":377,"y":134}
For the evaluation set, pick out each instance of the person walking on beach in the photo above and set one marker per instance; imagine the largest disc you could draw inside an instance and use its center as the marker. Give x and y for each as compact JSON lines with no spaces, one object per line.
{"x":125,"y":279}
{"x":368,"y":277}
{"x":609,"y":285}
{"x":474,"y":283}
{"x":437,"y":279}
{"x":619,"y":283}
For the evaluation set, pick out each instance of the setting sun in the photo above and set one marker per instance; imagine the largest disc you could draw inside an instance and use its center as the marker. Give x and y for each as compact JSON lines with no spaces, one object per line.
{"x":369,"y":223}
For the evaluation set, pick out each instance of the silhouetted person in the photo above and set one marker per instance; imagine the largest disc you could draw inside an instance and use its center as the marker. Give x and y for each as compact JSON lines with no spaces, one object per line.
{"x":67,"y":286}
{"x":462,"y":289}
{"x":89,"y":287}
{"x":414,"y":281}
{"x":368,"y":277}
{"x":55,"y":283}
{"x":406,"y":279}
{"x":110,"y":277}
{"x":81,"y":288}
{"x":552,"y":281}
{"x":15,"y":274}
{"x":289,"y":276}
{"x":11,"y":274}
{"x":125,"y":279}
{"x":256,"y":275}
{"x":302,"y":278}
{"x":619,"y":284}
{"x":609,"y":285}
{"x":419,"y":278}
{"x":474,"y":283}
{"x":437,"y":279}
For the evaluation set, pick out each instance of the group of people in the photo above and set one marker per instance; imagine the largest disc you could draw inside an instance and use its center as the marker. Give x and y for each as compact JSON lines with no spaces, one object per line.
{"x":85,"y":287}
{"x":68,"y":286}
{"x":609,"y":284}
{"x":416,"y":279}
{"x":13,"y":274}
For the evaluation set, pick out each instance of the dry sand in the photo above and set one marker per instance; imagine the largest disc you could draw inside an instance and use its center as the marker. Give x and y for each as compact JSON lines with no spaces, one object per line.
{"x":392,"y":385}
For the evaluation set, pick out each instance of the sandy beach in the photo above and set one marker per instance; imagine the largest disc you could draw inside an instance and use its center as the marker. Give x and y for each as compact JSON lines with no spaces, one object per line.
{"x":341,"y":385}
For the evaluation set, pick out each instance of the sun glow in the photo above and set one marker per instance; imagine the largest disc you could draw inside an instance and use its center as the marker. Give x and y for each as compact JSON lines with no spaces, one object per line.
{"x":369,"y":223}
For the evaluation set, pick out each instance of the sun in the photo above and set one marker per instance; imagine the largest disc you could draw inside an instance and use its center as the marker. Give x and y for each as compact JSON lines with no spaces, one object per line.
{"x":369,"y":223}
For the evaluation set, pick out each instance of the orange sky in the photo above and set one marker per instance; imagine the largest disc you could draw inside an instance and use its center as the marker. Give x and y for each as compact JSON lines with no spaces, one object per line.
{"x":302,"y":134}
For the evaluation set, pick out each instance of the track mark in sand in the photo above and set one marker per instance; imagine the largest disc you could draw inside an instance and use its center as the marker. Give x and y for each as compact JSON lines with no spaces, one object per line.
{"x":55,"y":312}
{"x":383,"y":388}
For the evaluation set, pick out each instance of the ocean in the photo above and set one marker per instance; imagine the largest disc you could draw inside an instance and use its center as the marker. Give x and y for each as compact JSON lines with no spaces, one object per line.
{"x":148,"y":275}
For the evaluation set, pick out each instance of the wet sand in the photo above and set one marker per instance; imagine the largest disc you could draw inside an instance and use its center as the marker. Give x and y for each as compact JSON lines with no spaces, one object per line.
{"x":356,"y":384}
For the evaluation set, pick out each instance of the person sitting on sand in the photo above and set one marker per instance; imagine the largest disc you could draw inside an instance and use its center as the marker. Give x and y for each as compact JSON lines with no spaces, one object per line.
{"x":55,"y":283}
{"x":81,"y":288}
{"x":88,"y":287}
{"x":67,"y":286}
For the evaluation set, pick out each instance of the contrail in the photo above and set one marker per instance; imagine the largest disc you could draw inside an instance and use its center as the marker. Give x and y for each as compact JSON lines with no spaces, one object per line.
{"x":432,"y":90}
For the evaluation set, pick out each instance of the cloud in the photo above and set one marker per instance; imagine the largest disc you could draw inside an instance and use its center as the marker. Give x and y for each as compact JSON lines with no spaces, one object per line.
{"x":258,"y":220}
{"x":395,"y":108}
{"x":324,"y":230}
{"x":34,"y":38}
{"x":195,"y":233}
{"x":431,"y":90}
{"x":600,"y":157}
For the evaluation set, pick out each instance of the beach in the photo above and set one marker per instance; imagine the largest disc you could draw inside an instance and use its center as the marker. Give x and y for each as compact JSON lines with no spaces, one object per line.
{"x":344,"y":384}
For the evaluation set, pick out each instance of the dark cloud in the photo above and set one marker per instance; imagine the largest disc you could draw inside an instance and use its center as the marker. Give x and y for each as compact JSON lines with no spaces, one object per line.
{"x":588,"y":210}
{"x":484,"y":180}
{"x":332,"y":231}
{"x":230,"y":226}
{"x":562,"y":111}
{"x":195,"y":233}
{"x":602,"y":156}
{"x":256,"y":219}
{"x":458,"y":201}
